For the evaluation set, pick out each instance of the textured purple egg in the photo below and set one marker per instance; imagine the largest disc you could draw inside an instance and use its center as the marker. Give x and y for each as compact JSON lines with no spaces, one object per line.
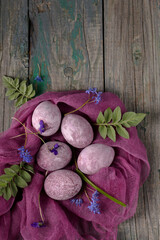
{"x":50,"y":114}
{"x":94,"y":157}
{"x":57,"y":159}
{"x":77,"y":130}
{"x":62,"y":184}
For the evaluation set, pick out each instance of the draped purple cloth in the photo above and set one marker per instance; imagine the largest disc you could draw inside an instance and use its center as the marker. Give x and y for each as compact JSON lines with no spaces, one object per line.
{"x":64,"y":220}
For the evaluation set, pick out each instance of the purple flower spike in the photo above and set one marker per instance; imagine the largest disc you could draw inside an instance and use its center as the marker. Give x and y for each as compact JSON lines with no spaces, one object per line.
{"x":98,"y":98}
{"x":25,"y":154}
{"x":42,"y":126}
{"x":38,"y":224}
{"x":38,"y":79}
{"x":54,"y":150}
{"x":91,"y":90}
{"x":94,"y":205}
{"x":77,"y":201}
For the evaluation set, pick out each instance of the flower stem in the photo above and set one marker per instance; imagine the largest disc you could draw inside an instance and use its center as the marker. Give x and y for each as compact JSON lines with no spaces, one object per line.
{"x":79,"y":107}
{"x":40,"y":210}
{"x":87,"y":195}
{"x":99,"y":189}
{"x":29,"y":130}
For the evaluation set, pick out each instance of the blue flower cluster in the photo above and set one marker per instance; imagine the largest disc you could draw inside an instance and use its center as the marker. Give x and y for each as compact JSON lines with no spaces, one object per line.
{"x":54,"y":150}
{"x":25,"y":154}
{"x":42,"y":126}
{"x":38,"y":79}
{"x":94,"y":204}
{"x":97,"y":95}
{"x":38,"y":224}
{"x":77,"y":201}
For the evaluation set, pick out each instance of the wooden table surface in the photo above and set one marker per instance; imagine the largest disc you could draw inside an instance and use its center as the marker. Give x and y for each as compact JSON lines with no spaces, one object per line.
{"x":113,"y":45}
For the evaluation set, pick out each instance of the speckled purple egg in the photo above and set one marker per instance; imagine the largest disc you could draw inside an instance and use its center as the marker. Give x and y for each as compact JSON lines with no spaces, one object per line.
{"x":62,"y":184}
{"x":77,"y":130}
{"x":59,"y":157}
{"x":50,"y":114}
{"x":94,"y":157}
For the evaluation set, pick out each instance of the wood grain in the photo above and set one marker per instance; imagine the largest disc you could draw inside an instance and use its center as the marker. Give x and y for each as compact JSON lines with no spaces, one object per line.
{"x":132,"y":60}
{"x":13,"y":51}
{"x":66,"y":41}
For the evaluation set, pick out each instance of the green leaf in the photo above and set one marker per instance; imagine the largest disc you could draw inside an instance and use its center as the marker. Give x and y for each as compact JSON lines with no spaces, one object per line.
{"x":103,"y":131}
{"x":25,"y":175}
{"x":19,"y":101}
{"x":10,"y":91}
{"x":8,"y":82}
{"x":137,"y":119}
{"x":111,"y":133}
{"x":23,"y":87}
{"x":29,"y":90}
{"x":24,"y":100}
{"x":128,"y":116}
{"x":16,"y":80}
{"x":108,"y":115}
{"x":9,"y":172}
{"x":3,"y":184}
{"x":29,"y":168}
{"x":100,"y":118}
{"x":14,"y":189}
{"x":125,"y":124}
{"x":122,"y":131}
{"x":5,"y":178}
{"x":1,"y":191}
{"x":32,"y":94}
{"x":14,"y":96}
{"x":20,"y":182}
{"x":7,"y":193}
{"x":116,"y":116}
{"x":16,"y":168}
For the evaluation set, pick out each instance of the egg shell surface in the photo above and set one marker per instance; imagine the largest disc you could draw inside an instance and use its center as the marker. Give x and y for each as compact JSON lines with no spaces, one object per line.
{"x":62,"y":184}
{"x":94,"y":157}
{"x":51,"y":162}
{"x":51,"y":116}
{"x":77,"y":130}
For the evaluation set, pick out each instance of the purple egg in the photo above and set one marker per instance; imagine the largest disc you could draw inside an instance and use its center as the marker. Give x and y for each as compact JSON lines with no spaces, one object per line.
{"x":94,"y":157}
{"x":48,"y":115}
{"x":57,"y":159}
{"x":62,"y":184}
{"x":77,"y":130}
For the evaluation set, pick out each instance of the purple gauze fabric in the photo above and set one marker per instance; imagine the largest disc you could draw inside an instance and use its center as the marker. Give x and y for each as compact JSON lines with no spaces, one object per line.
{"x":64,"y":220}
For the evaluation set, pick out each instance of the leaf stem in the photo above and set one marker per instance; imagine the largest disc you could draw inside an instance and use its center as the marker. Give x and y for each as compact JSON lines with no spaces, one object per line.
{"x":87,"y":195}
{"x":99,"y":189}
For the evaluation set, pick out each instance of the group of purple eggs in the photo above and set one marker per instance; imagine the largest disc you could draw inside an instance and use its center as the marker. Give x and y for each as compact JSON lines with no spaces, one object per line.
{"x":62,"y":184}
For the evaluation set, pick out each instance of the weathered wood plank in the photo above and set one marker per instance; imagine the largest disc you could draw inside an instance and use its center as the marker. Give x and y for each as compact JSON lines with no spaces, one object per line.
{"x":66,"y":41}
{"x":13,"y":50}
{"x":132,"y":60}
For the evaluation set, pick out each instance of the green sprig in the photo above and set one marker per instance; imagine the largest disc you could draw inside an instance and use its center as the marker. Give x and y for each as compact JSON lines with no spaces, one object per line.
{"x":18,"y":91}
{"x":14,"y":177}
{"x":99,"y":189}
{"x":111,"y":122}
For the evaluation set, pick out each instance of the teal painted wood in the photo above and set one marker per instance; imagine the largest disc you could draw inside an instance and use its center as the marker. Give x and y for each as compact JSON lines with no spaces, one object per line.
{"x":66,"y":41}
{"x":132,"y":60}
{"x":13,"y":50}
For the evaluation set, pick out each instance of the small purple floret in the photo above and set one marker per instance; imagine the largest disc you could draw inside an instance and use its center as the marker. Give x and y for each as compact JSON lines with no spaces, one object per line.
{"x":38,"y":79}
{"x":54,"y":150}
{"x":25,"y":154}
{"x":94,"y":205}
{"x":77,"y":201}
{"x":91,"y":90}
{"x":38,"y":224}
{"x":42,"y":126}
